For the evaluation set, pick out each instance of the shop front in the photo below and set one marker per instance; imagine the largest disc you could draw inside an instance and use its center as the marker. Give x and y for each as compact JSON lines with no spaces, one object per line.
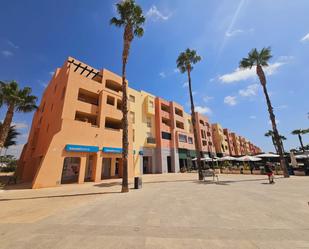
{"x":185,"y":159}
{"x":111,"y":163}
{"x":79,"y":161}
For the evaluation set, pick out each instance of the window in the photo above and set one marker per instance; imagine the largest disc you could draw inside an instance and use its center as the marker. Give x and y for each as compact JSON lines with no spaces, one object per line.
{"x":47,"y":128}
{"x":202,"y":122}
{"x":110,"y":100}
{"x":166,"y":135}
{"x":55,"y":88}
{"x":165,"y":108}
{"x":112,"y":123}
{"x":190,"y":140}
{"x":86,"y":117}
{"x":150,"y":138}
{"x":178,"y":112}
{"x":148,"y":121}
{"x":204,"y":142}
{"x":114,"y":86}
{"x":88,"y":97}
{"x":133,"y":135}
{"x":151,"y":103}
{"x":70,"y":170}
{"x":208,"y":134}
{"x":132,"y":117}
{"x":179,"y":125}
{"x":182,"y":138}
{"x":132,"y":98}
{"x":202,"y":134}
{"x":166,"y":121}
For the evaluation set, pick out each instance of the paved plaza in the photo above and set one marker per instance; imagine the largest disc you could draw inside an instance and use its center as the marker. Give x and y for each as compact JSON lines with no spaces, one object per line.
{"x":170,"y":211}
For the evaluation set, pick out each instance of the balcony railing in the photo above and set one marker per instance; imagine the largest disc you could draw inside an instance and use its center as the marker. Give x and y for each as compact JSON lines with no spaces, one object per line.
{"x":151,"y":140}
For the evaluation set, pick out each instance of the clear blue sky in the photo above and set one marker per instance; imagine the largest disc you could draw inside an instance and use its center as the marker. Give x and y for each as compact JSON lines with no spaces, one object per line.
{"x":37,"y":36}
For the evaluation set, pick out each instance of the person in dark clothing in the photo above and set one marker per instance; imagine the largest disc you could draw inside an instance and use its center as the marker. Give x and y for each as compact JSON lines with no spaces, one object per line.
{"x":269,"y":173}
{"x":251,"y":168}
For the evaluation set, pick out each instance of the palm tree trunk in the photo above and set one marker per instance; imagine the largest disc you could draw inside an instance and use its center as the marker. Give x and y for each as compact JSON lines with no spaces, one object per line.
{"x":301,"y":142}
{"x":195,"y":130}
{"x":282,"y":146}
{"x":261,"y":75}
{"x":4,"y":130}
{"x":274,"y":143}
{"x":127,"y":37}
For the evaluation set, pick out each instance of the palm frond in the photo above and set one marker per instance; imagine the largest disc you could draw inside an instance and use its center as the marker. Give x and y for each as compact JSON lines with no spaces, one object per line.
{"x":130,"y":15}
{"x":139,"y":31}
{"x":186,"y":60}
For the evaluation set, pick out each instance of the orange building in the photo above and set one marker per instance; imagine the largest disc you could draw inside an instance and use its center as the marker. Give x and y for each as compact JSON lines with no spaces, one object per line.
{"x":76,"y":131}
{"x":236,"y":143}
{"x":220,"y":140}
{"x":205,"y":138}
{"x":170,"y":123}
{"x":230,"y":142}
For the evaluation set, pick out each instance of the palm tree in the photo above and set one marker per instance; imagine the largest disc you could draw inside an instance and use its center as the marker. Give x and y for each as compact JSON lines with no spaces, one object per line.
{"x":131,"y":19}
{"x":270,"y":133}
{"x":10,"y":139}
{"x":260,"y":59}
{"x":184,"y":62}
{"x":16,"y":99}
{"x":300,"y":132}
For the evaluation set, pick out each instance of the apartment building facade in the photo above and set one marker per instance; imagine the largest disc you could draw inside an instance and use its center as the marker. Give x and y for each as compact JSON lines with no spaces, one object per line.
{"x":142,"y":117}
{"x":236,"y":144}
{"x":230,"y":142}
{"x":205,"y":138}
{"x":220,"y":140}
{"x":76,"y":133}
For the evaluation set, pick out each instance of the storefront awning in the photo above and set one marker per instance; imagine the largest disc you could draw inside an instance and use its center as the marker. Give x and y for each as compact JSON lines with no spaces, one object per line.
{"x":112,"y":150}
{"x":81,"y":148}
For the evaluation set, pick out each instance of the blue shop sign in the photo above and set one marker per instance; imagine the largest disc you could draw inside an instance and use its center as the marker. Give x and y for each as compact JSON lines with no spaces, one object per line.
{"x":81,"y":148}
{"x":112,"y":150}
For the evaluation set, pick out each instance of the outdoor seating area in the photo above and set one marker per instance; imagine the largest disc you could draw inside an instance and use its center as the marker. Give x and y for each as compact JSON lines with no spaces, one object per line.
{"x":255,"y":165}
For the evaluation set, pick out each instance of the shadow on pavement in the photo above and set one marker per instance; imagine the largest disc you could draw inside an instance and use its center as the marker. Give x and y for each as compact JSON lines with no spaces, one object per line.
{"x":228,"y":182}
{"x":107,"y":184}
{"x":154,"y":182}
{"x":17,"y":186}
{"x":58,"y":196}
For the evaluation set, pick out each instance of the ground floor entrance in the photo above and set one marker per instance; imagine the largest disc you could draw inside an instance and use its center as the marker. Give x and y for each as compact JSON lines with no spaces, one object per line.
{"x":147,"y":164}
{"x":169,"y":164}
{"x":70,"y":171}
{"x":89,"y":168}
{"x":111,"y":167}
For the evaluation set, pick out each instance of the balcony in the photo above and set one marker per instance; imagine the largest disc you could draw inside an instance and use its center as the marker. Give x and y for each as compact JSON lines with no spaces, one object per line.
{"x":114,"y":86}
{"x":165,"y":108}
{"x":151,"y":140}
{"x":178,"y":112}
{"x":86,"y":118}
{"x":114,"y":124}
{"x":179,"y":125}
{"x":88,"y":97}
{"x":166,"y":122}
